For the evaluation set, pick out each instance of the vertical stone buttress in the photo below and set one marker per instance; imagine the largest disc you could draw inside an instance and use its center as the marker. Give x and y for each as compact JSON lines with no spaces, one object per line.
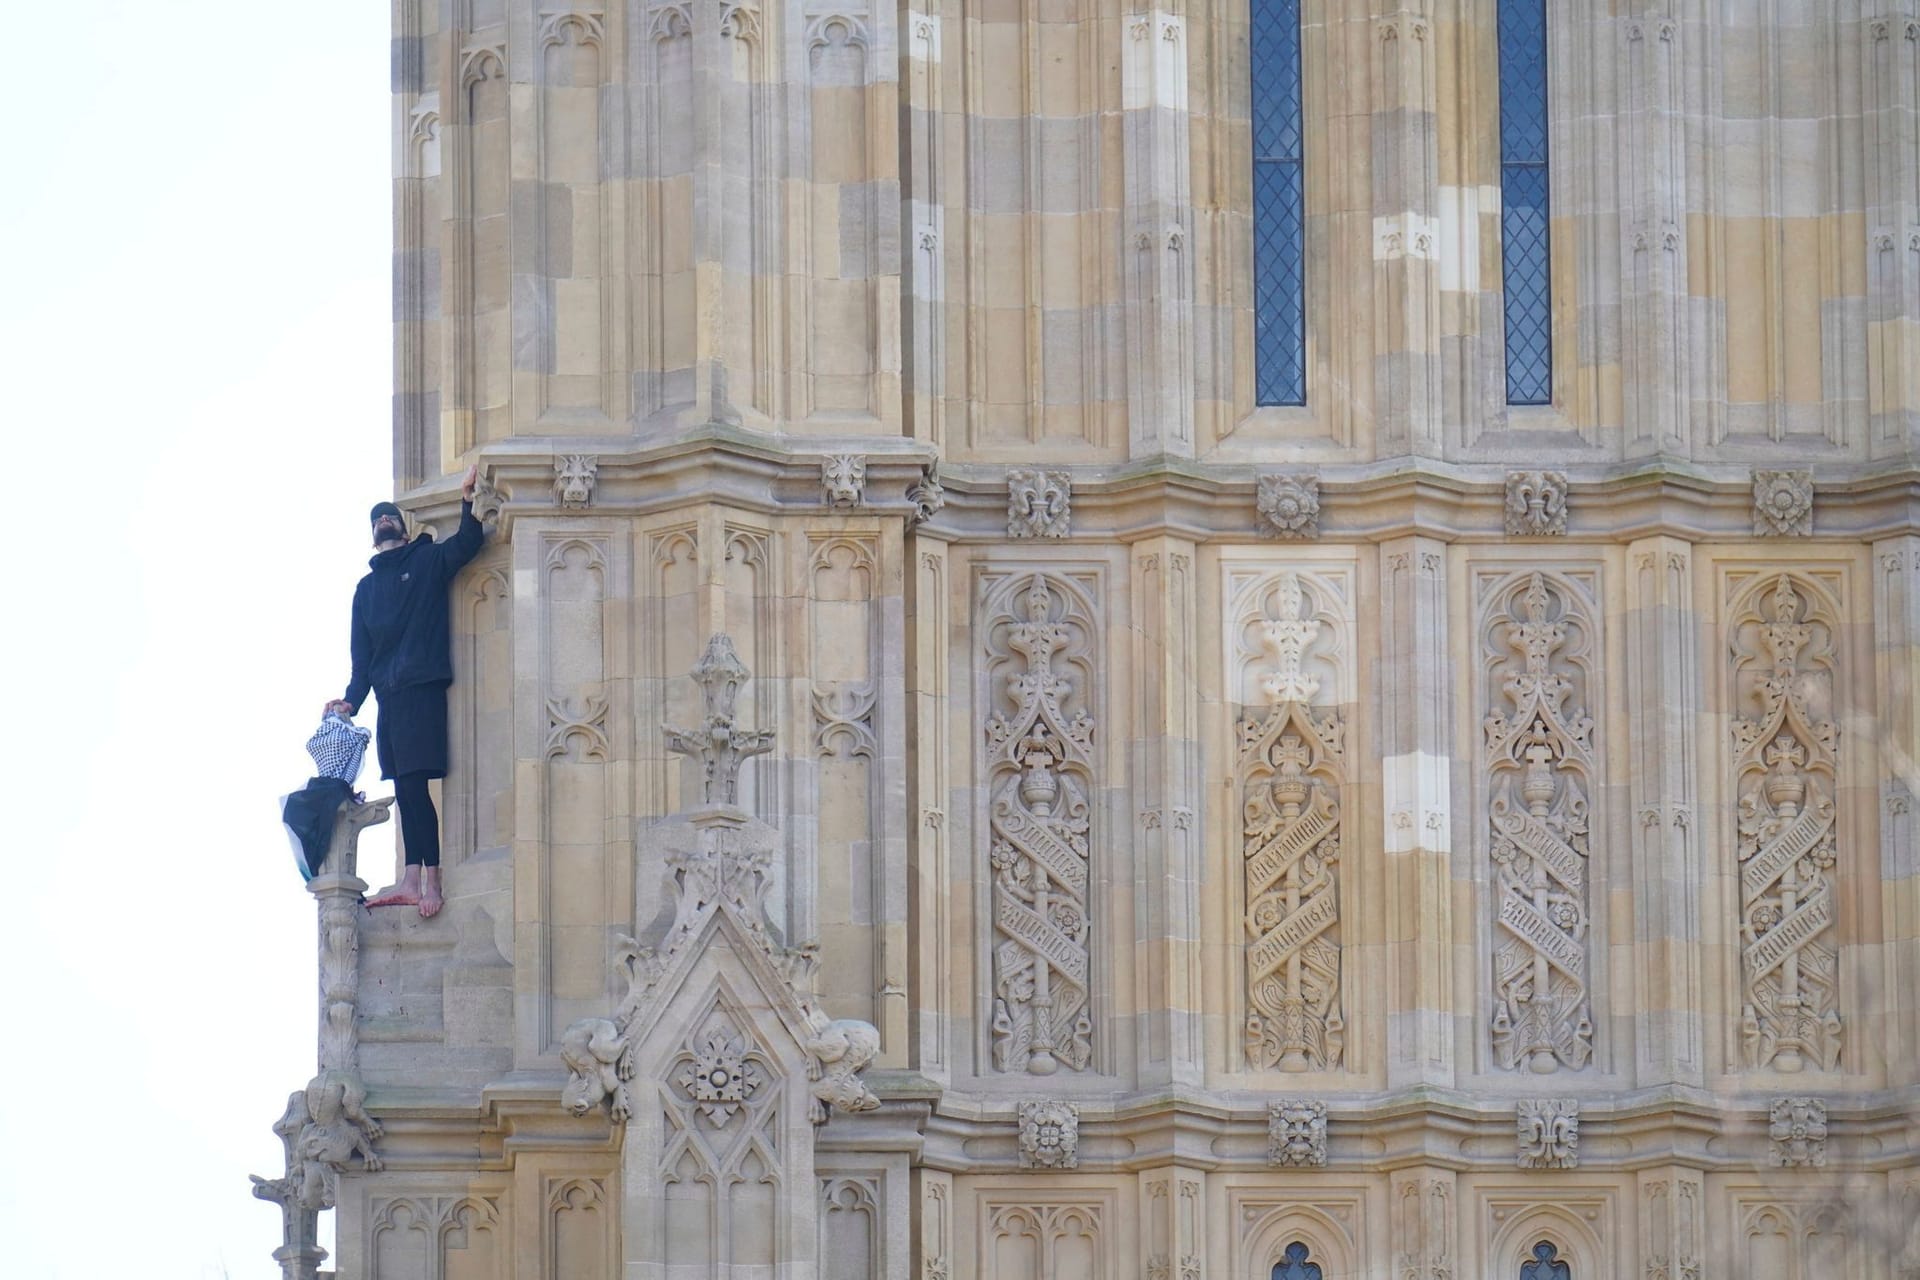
{"x":1158,"y":231}
{"x":1405,"y":194}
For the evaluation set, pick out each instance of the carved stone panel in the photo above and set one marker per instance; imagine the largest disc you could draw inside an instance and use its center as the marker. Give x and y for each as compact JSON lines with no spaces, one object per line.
{"x":1288,"y":506}
{"x":843,"y":478}
{"x":1039,"y":503}
{"x":1537,"y":636}
{"x":1797,"y":1133}
{"x":1783,"y":504}
{"x":1291,"y":770}
{"x":573,"y":478}
{"x":1039,"y":630}
{"x":1548,"y":1133}
{"x":1536,"y":503}
{"x":1049,"y":1135}
{"x":1785,"y":767}
{"x":1296,"y":1133}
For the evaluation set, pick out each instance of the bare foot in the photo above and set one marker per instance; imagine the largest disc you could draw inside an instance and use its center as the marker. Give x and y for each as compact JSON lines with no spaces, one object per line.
{"x":406,"y":893}
{"x":430,"y":900}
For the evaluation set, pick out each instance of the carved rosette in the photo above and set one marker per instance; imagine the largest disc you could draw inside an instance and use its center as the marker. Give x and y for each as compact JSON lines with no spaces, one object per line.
{"x":1785,"y":753}
{"x":1296,"y":1134}
{"x":1540,"y":775}
{"x":1536,"y":503}
{"x":1290,"y":774}
{"x":1040,"y":762}
{"x":1783,"y":504}
{"x":1049,"y":1135}
{"x":1039,"y":503}
{"x":1797,"y":1133}
{"x":1547,"y":1132}
{"x":1288,"y":506}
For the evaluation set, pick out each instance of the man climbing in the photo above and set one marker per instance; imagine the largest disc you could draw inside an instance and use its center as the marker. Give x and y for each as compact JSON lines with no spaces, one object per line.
{"x":402,"y":651}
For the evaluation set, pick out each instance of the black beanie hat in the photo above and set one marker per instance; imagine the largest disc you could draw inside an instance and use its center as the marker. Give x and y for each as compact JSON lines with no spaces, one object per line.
{"x":386,"y":509}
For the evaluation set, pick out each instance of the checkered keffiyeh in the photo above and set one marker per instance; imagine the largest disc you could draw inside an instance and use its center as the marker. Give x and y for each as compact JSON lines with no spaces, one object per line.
{"x":338,"y":746}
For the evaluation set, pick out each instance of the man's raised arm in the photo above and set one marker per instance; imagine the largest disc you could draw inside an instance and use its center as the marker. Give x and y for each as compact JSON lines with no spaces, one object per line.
{"x":467,"y":540}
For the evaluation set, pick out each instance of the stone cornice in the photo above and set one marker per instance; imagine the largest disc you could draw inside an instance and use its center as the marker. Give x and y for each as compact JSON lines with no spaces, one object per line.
{"x":1204,"y":502}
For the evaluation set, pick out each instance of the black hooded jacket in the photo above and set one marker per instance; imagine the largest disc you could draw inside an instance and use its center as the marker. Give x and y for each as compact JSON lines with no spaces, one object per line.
{"x":400,"y":613}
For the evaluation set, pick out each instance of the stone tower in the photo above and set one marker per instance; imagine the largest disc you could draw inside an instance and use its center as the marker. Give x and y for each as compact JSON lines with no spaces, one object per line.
{"x":1265,"y":639}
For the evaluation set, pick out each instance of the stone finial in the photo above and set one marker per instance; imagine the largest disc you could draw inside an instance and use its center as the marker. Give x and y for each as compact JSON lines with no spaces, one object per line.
{"x":343,"y":849}
{"x":1536,"y":503}
{"x":844,"y":478}
{"x":1783,"y":504}
{"x":1548,"y":1132}
{"x":1049,"y":1135}
{"x":1297,"y":1134}
{"x":837,"y":1052}
{"x":1039,"y":503}
{"x":1797,"y":1133}
{"x":591,"y":1049}
{"x":719,"y":746}
{"x":927,"y":496}
{"x":573,"y":478}
{"x":1288,"y":506}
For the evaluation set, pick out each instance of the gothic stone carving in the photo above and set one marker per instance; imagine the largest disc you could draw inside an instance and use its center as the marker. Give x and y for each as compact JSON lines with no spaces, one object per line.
{"x":844,"y":478}
{"x":840,"y":1051}
{"x":1797,"y":1133}
{"x":1783,"y":504}
{"x":325,"y":1126}
{"x":1297,"y":1133}
{"x":1288,"y":506}
{"x":1548,"y":1132}
{"x":1049,"y":1135}
{"x":590,"y":1048}
{"x":718,"y":743}
{"x":573,"y":478}
{"x":1540,"y":777}
{"x":1785,"y":754}
{"x":1290,"y":779}
{"x":1536,"y":503}
{"x":717,"y":1076}
{"x":1040,"y":766}
{"x":1038,"y":503}
{"x":928,"y":496}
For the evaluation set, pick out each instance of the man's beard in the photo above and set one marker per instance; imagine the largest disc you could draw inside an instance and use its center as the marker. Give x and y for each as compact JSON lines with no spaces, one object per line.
{"x":388,"y":531}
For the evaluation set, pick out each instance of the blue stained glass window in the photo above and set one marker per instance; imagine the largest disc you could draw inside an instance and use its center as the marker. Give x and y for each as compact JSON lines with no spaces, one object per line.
{"x":1294,"y":1266}
{"x":1545,"y":1264}
{"x":1279,"y":207}
{"x":1525,"y":268}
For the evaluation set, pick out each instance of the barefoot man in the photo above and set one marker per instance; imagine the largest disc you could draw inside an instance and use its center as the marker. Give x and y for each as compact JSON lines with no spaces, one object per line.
{"x":401,"y":650}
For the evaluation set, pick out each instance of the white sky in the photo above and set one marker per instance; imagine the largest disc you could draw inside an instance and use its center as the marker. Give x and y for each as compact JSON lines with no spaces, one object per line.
{"x":194,"y":405}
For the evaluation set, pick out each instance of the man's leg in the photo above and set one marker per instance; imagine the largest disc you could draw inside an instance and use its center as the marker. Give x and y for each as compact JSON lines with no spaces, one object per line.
{"x":420,"y":832}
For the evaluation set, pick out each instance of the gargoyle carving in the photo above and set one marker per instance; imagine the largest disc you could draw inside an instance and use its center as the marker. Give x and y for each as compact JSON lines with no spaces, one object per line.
{"x":325,"y":1126}
{"x":838,"y":1051}
{"x":591,"y":1049}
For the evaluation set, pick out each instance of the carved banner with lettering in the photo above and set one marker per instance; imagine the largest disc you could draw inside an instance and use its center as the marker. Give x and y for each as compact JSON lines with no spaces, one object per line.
{"x":1290,"y":771}
{"x":1540,"y":775}
{"x":1785,"y":755}
{"x":1040,"y":770}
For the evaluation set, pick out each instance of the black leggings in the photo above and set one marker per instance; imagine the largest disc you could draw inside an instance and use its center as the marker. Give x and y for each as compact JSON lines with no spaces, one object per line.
{"x":419,"y":824}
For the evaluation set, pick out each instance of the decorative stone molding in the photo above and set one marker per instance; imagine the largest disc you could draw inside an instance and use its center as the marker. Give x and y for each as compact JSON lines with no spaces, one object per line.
{"x":1786,"y":762}
{"x":1296,"y":1134}
{"x":1797,"y":1133}
{"x":1548,"y":1133}
{"x":927,"y":495}
{"x":1039,"y":503}
{"x":844,"y":478}
{"x":1783,"y":504}
{"x":718,"y":743}
{"x":1288,"y":506}
{"x":1049,"y":1135}
{"x":1537,"y":638}
{"x":1040,"y":759}
{"x":1536,"y":503}
{"x":573,"y":478}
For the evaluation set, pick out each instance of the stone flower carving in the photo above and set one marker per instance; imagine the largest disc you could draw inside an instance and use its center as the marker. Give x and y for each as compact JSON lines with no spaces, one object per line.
{"x":844,"y":477}
{"x":325,"y":1126}
{"x":591,"y":1050}
{"x":1289,"y":506}
{"x":927,"y":496}
{"x":1049,"y":1135}
{"x":1297,"y":1134}
{"x":720,"y":1078}
{"x":1038,"y":503}
{"x":1797,"y":1133}
{"x":838,"y":1051}
{"x":1783,"y":504}
{"x":1548,"y":1130}
{"x":1536,"y":503}
{"x":573,"y":477}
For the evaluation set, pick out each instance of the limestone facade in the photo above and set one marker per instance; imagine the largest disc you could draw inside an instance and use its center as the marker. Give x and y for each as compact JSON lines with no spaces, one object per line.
{"x":1404,"y":833}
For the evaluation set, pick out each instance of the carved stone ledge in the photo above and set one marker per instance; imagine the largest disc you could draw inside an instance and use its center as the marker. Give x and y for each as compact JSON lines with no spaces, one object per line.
{"x":1783,"y":504}
{"x":1548,"y":1133}
{"x":1297,"y":1134}
{"x":1049,"y":1135}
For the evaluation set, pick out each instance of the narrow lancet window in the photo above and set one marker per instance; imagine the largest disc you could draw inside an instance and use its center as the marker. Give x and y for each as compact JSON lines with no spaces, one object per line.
{"x":1279,"y":207}
{"x":1525,"y":266}
{"x":1293,"y":1264}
